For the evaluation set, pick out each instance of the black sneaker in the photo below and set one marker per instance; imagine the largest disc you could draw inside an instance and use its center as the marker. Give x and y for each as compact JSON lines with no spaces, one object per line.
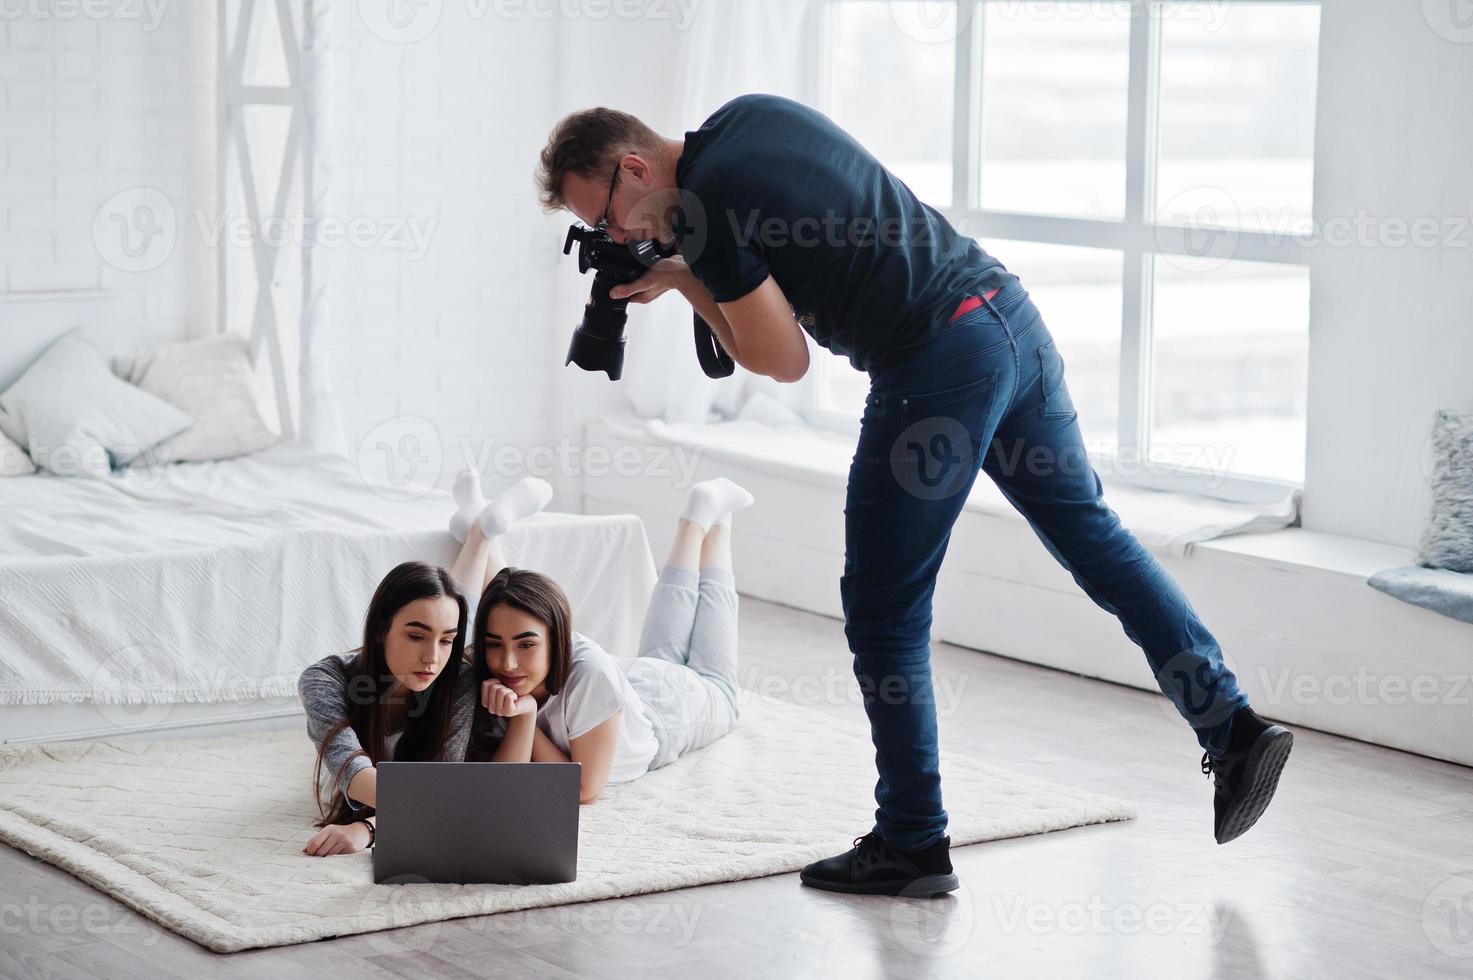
{"x":873,"y":867}
{"x":1246,"y":776}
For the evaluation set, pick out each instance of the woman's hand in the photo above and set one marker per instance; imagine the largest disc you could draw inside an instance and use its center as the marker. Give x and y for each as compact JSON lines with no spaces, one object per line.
{"x":499,"y":699}
{"x":338,"y":838}
{"x":663,"y":276}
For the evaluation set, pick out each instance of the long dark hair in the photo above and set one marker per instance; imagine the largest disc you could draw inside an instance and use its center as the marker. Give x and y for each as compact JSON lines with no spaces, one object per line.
{"x":427,"y":727}
{"x":536,"y":595}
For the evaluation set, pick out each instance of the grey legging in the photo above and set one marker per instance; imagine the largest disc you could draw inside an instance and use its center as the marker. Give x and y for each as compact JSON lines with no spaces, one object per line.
{"x":686,"y":668}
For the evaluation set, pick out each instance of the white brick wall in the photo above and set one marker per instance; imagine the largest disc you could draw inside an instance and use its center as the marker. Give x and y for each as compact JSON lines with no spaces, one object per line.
{"x":446,"y":130}
{"x":93,"y":106}
{"x":443,"y":131}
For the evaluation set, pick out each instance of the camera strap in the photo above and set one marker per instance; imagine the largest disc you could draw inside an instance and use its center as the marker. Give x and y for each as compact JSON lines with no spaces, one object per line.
{"x":716,"y":362}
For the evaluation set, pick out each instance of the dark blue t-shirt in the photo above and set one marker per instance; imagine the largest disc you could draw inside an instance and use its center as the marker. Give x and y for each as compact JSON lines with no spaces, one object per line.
{"x":769,"y":185}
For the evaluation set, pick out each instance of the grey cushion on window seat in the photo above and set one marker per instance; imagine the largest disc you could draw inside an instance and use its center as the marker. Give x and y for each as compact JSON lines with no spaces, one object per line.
{"x":1442,"y":591}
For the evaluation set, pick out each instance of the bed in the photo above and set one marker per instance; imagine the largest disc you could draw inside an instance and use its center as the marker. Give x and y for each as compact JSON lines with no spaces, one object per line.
{"x":186,"y":594}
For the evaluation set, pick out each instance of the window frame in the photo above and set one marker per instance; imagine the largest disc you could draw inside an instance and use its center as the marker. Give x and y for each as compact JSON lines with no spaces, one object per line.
{"x":1136,"y":236}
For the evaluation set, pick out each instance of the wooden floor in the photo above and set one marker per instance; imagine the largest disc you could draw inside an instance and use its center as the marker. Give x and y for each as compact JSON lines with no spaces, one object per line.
{"x":1363,"y":867}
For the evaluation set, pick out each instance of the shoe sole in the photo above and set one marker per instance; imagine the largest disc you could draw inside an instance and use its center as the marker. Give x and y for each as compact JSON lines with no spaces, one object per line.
{"x":927,"y":887}
{"x":1266,"y":758}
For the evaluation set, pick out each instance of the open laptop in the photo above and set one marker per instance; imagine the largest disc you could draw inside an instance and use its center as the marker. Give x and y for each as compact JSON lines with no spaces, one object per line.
{"x":504,"y":823}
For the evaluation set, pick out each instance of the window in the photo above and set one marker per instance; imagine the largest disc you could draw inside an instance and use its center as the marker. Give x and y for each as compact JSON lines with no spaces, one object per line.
{"x":874,"y":74}
{"x":1146,"y":166}
{"x":1053,"y":109}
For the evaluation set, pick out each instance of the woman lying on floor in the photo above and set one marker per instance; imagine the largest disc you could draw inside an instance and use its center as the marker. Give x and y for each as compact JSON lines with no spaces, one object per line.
{"x":547,"y":693}
{"x":407,"y":693}
{"x":550,"y":694}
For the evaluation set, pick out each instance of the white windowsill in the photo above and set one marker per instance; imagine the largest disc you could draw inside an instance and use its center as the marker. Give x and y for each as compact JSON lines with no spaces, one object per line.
{"x":1166,"y":521}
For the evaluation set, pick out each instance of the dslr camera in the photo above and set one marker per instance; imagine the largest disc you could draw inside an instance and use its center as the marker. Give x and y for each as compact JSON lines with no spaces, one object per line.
{"x":598,"y":342}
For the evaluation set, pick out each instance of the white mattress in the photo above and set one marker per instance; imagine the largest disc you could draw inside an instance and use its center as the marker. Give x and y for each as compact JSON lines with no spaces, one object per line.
{"x":221,"y":581}
{"x":199,"y":505}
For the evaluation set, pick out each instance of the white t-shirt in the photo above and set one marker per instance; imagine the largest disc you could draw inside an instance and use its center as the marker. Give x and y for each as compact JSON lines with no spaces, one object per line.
{"x":597,"y":687}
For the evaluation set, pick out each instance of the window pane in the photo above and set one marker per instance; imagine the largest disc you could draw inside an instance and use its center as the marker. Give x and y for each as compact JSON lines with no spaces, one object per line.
{"x":839,"y":388}
{"x":893,"y":91}
{"x":1078,"y":292}
{"x":1236,"y":129}
{"x":1054,"y":80}
{"x":1230,"y":369}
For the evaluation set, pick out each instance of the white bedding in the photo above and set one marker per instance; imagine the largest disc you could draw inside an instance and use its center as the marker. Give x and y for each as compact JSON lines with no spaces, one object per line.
{"x":221,"y":581}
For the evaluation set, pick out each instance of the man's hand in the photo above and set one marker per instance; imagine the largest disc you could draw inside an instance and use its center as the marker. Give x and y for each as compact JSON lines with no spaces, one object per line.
{"x":499,"y":699}
{"x":758,"y":330}
{"x":663,"y":276}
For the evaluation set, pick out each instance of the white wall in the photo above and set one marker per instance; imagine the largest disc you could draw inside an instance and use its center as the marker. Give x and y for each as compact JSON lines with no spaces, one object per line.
{"x":624,"y":64}
{"x":1391,"y":331}
{"x":95,"y":106}
{"x":444,"y":131}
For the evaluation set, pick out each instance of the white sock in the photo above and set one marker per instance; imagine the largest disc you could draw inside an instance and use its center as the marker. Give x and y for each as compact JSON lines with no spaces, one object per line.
{"x":525,"y":497}
{"x":469,"y":502}
{"x":712,"y":502}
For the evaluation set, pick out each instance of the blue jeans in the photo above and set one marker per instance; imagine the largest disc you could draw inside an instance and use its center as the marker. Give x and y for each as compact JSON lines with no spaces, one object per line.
{"x":988,"y":393}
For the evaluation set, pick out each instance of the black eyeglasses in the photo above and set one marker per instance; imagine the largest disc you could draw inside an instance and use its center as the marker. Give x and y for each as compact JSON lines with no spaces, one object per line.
{"x":603,"y":222}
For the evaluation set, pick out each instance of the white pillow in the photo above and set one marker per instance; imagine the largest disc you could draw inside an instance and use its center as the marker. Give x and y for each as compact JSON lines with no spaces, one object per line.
{"x":212,"y":379}
{"x":13,"y":459}
{"x":79,"y":419}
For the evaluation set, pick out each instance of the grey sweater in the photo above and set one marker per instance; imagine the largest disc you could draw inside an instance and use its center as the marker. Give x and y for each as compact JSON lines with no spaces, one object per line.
{"x":324,"y":691}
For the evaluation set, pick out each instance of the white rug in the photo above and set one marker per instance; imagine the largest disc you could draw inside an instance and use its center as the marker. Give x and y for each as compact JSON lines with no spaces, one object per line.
{"x":205,"y":836}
